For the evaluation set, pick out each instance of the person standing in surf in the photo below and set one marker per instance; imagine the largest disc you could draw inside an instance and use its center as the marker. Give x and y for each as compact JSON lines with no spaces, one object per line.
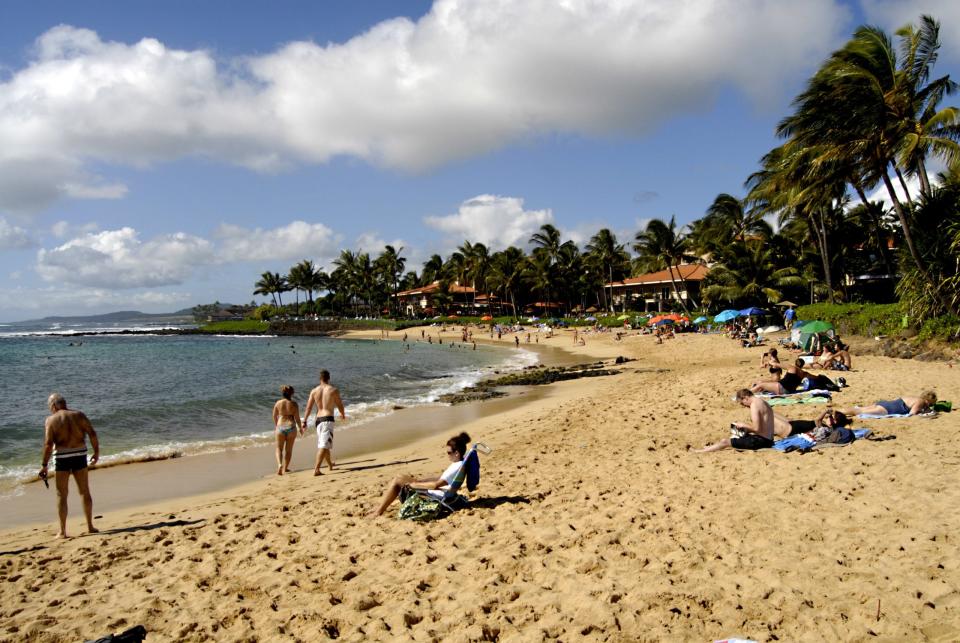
{"x":286,"y":420}
{"x":326,"y":398}
{"x":67,"y":431}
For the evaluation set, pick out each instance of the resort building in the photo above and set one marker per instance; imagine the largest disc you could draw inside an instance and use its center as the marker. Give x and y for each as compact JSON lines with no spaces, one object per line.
{"x":432,"y":298}
{"x":654,"y":290}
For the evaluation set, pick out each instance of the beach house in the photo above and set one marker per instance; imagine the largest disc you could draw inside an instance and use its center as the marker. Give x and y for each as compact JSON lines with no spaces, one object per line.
{"x":654,"y":291}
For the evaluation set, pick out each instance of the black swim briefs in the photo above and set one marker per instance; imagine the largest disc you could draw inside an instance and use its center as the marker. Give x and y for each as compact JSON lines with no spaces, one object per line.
{"x":751,"y":442}
{"x":802,"y":426}
{"x":72,"y":462}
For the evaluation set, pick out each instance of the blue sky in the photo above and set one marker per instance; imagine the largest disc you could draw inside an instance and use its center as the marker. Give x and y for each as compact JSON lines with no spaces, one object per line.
{"x":159,"y":155}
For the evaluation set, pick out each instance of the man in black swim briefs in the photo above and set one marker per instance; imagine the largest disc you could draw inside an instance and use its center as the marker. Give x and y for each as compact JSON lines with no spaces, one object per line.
{"x":66,"y":431}
{"x":756,"y":435}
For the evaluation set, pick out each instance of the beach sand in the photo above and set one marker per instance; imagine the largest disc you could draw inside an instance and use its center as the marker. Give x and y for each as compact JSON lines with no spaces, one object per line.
{"x":593,"y":521}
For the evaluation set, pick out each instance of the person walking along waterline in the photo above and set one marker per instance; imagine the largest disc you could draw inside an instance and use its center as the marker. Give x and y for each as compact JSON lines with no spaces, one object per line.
{"x":66,"y":431}
{"x":286,"y":420}
{"x":325,"y":397}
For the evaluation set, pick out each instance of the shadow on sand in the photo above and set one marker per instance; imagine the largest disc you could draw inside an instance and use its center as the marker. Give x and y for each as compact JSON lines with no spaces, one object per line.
{"x":151,"y":527}
{"x":496,"y":501}
{"x":378,"y":466}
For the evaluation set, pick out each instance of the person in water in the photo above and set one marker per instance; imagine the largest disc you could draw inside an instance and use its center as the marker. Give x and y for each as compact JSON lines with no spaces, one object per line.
{"x":286,"y":420}
{"x":402,"y":486}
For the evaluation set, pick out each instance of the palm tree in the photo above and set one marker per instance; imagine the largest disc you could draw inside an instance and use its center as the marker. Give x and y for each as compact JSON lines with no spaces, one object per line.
{"x":432,"y":270}
{"x":506,"y":273}
{"x":660,"y":248}
{"x":391,"y":264}
{"x":270,"y":283}
{"x":609,"y":255}
{"x":750,"y":276}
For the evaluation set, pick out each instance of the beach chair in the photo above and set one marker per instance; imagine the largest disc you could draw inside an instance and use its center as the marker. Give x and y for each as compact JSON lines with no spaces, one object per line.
{"x":430,"y":504}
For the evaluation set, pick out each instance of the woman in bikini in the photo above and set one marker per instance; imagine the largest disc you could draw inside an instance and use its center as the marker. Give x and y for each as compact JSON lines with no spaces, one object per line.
{"x":906,"y":405}
{"x":286,"y":419}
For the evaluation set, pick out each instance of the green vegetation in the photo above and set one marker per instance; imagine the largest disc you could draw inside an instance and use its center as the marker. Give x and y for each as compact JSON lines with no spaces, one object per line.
{"x":870,"y":320}
{"x":249,"y":326}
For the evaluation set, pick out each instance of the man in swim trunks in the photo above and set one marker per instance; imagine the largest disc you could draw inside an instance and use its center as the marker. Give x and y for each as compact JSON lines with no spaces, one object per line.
{"x":325,"y":397}
{"x":906,"y":405}
{"x":66,"y":431}
{"x":757,"y":435}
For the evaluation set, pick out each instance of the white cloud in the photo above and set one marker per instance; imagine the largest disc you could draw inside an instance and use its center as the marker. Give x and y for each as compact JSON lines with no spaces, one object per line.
{"x":294,"y":241}
{"x":495,"y":221}
{"x":893,"y":14}
{"x":13,"y":237}
{"x":372,"y":243}
{"x":882,"y":195}
{"x":466,"y":78}
{"x":118,"y":259}
{"x":24,"y":300}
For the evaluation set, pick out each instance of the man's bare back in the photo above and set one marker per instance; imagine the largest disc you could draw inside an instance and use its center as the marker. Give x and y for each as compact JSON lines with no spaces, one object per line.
{"x":68,"y":429}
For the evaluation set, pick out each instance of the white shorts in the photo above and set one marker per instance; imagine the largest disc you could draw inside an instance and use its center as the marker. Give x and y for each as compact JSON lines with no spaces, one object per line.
{"x":324,"y":435}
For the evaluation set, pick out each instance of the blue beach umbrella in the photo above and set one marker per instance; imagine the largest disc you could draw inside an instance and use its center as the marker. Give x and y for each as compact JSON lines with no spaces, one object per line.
{"x":700,"y":320}
{"x":752,"y":311}
{"x":726,"y":316}
{"x":590,"y":318}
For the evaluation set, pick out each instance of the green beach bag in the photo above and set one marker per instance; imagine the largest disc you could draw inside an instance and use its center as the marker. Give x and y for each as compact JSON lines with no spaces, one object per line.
{"x":420,"y":509}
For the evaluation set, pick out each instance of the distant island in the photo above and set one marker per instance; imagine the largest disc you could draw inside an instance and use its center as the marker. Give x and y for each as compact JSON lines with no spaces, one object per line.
{"x":183,"y":316}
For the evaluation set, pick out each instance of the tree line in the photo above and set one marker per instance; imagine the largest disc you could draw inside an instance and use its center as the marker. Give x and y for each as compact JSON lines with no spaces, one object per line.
{"x":871,"y":116}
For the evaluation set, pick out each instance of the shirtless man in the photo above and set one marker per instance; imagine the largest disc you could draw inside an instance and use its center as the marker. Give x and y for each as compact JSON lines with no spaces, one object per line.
{"x":325,"y":397}
{"x":67,"y":431}
{"x":758,"y":434}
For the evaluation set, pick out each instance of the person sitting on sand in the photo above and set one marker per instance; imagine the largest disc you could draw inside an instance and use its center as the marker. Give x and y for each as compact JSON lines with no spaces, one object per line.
{"x":402,"y":486}
{"x":286,"y":420}
{"x":906,"y":405}
{"x":756,"y":435}
{"x":835,"y":355}
{"x":782,"y":427}
{"x":770,"y":358}
{"x":780,"y":382}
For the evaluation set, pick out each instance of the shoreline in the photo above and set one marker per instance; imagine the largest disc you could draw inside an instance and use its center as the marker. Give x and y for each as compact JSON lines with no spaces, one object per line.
{"x":125,"y":485}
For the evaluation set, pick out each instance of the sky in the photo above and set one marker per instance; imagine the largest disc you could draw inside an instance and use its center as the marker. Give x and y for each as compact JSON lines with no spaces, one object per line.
{"x":154,"y":156}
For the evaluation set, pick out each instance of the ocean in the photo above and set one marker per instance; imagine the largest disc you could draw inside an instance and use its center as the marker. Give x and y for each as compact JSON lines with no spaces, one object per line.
{"x":159,"y":396}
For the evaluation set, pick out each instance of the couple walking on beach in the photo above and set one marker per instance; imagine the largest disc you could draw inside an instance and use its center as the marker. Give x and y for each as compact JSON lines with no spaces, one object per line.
{"x":286,"y":419}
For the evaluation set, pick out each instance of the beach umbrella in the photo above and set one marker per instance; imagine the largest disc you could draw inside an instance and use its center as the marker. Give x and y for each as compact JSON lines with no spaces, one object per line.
{"x":592,"y":309}
{"x":817,"y":327}
{"x":622,"y":317}
{"x":752,"y":311}
{"x":786,"y":304}
{"x":699,"y":320}
{"x":590,"y":318}
{"x":451,"y":317}
{"x":486,"y":318}
{"x":726,"y":316}
{"x":664,"y":321}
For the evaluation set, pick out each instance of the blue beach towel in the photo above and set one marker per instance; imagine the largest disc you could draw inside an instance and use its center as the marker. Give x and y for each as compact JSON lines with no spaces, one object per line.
{"x":887,"y":416}
{"x":802,"y":441}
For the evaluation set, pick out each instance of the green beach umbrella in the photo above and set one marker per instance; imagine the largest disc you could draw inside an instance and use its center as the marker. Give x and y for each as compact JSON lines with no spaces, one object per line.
{"x":817,"y":327}
{"x":622,"y":317}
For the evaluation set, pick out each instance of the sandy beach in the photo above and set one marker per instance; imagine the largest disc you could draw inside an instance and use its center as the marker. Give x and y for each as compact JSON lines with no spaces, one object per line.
{"x":593,"y":521}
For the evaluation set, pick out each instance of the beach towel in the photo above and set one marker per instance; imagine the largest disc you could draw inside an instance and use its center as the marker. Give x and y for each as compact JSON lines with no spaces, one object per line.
{"x":815,"y":391}
{"x":782,"y":401}
{"x":806,"y":441}
{"x":887,"y":416}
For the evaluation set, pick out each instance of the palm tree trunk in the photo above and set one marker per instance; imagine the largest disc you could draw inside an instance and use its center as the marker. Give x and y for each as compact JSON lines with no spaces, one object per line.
{"x":924,"y":178}
{"x":875,"y":219}
{"x":908,"y":237}
{"x":676,"y":290}
{"x":903,"y":184}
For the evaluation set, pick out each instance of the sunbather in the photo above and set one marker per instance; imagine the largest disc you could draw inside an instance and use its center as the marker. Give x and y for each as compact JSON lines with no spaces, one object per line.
{"x":780,"y":382}
{"x":403,"y":485}
{"x":756,"y":435}
{"x":782,"y":427}
{"x":906,"y":405}
{"x":835,"y":355}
